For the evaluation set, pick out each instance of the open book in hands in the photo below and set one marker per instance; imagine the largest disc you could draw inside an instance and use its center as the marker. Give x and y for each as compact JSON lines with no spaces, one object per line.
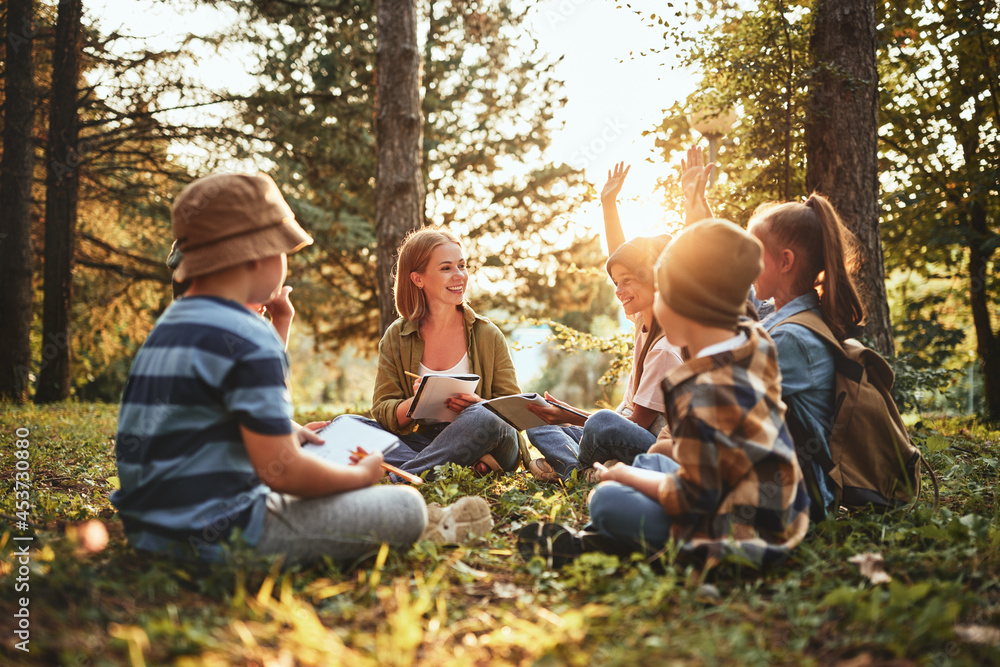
{"x":434,"y":389}
{"x":514,"y":410}
{"x":344,"y":436}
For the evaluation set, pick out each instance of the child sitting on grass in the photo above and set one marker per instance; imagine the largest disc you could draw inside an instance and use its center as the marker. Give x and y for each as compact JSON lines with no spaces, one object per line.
{"x":206,"y":444}
{"x":725,"y":479}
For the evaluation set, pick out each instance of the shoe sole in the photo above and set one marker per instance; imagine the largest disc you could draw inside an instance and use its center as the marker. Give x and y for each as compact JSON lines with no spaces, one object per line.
{"x":556,"y":544}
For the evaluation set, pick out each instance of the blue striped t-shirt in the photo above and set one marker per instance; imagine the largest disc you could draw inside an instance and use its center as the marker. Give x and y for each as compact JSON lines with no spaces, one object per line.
{"x":208,"y":367}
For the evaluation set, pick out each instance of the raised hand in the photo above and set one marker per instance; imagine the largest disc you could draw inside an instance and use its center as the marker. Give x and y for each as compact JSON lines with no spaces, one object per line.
{"x":694,"y":178}
{"x":616,"y":179}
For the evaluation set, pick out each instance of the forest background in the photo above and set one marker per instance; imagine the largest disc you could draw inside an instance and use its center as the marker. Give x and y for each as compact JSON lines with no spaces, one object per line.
{"x":101,"y":163}
{"x":100,"y":132}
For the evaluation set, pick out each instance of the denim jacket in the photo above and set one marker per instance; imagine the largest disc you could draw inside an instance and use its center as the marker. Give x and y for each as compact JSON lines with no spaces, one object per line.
{"x":807,"y":380}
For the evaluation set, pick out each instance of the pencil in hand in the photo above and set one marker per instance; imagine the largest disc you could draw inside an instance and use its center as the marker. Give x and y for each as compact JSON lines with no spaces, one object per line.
{"x":409,"y":477}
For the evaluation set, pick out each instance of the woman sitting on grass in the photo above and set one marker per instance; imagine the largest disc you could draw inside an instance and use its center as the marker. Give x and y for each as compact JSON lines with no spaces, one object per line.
{"x":437,"y":332}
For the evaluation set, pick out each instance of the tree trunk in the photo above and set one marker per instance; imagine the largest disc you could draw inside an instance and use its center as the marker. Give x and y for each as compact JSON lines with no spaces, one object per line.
{"x":16,"y":171}
{"x":399,"y":186}
{"x":61,"y":185}
{"x":987,"y":341}
{"x":841,"y":142}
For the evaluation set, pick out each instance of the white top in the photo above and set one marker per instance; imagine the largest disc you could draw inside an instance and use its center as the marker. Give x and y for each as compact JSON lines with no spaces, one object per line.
{"x":660,"y":359}
{"x":461,"y":368}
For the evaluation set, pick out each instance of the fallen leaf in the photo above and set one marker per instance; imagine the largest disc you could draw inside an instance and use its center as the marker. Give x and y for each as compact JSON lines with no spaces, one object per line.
{"x":870,"y":566}
{"x":978,"y":634}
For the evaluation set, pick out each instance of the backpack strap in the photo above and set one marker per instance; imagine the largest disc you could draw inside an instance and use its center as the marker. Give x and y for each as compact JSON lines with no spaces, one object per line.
{"x":814,"y":323}
{"x":934,"y":481}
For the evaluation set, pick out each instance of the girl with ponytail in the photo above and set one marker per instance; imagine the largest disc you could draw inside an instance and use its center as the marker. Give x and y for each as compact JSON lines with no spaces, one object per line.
{"x":805,"y":270}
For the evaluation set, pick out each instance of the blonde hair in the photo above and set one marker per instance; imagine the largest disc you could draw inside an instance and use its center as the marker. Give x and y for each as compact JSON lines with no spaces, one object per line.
{"x":414,"y":255}
{"x":818,"y":236}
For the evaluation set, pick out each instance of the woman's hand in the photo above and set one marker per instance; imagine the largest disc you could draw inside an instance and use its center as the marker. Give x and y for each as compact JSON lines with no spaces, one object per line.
{"x":459,"y":402}
{"x":609,"y":193}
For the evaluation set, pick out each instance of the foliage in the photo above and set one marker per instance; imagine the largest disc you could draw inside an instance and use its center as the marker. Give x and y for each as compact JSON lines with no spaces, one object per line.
{"x":480,"y":603}
{"x":940,"y":158}
{"x":133,"y":103}
{"x":939,"y":129}
{"x":925,"y":353}
{"x":488,"y":101}
{"x":755,"y":61}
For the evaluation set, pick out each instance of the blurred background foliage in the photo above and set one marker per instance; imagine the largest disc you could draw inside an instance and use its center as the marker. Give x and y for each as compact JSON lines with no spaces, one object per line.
{"x":490,"y":99}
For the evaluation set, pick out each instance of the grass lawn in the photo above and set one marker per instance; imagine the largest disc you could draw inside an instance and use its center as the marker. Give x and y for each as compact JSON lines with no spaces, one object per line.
{"x":481,"y":603}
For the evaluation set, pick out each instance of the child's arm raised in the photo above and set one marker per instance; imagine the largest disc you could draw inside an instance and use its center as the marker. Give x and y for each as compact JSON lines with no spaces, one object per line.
{"x":609,"y":196}
{"x":694,"y":178}
{"x":281,"y":464}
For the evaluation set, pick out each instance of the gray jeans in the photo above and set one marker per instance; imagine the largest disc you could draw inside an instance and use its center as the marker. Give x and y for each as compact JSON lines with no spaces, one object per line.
{"x":475,"y":432}
{"x":344,"y":526}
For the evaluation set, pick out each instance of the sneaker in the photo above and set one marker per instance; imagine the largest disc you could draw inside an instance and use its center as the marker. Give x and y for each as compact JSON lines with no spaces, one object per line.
{"x":486,"y":465}
{"x":542,"y":471}
{"x":466,"y":518}
{"x":555,"y":543}
{"x":559,"y":545}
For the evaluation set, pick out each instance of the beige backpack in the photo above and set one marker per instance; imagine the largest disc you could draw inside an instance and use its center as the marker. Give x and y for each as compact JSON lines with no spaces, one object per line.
{"x":872,"y":460}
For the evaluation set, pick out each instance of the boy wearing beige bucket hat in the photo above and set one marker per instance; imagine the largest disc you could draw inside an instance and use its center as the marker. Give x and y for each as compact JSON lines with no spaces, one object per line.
{"x":206,"y":446}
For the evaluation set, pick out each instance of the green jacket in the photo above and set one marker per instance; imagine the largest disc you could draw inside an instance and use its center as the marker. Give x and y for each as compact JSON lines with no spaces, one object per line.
{"x":401,"y":349}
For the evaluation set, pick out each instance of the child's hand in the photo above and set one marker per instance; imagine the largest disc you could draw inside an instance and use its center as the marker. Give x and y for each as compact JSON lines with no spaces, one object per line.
{"x":280,"y":307}
{"x":615,"y":182}
{"x":612,"y":474}
{"x":459,"y":402}
{"x":307,"y":433}
{"x":694,"y":178}
{"x":371,"y":465}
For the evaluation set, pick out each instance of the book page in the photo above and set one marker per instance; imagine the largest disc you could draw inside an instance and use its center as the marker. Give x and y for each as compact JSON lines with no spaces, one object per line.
{"x":428,"y":404}
{"x":344,"y":436}
{"x":514,"y":410}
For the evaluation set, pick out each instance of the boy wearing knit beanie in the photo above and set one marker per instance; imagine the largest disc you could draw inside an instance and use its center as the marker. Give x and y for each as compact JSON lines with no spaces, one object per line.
{"x":728,"y":480}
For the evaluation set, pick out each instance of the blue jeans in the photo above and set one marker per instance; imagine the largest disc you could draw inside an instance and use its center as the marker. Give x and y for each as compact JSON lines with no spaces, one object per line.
{"x":475,"y":432}
{"x":560,"y":445}
{"x":607,"y":435}
{"x":628,"y":516}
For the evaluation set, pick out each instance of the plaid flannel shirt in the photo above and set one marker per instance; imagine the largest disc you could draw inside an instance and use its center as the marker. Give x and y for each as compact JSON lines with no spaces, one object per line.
{"x":739,"y":489}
